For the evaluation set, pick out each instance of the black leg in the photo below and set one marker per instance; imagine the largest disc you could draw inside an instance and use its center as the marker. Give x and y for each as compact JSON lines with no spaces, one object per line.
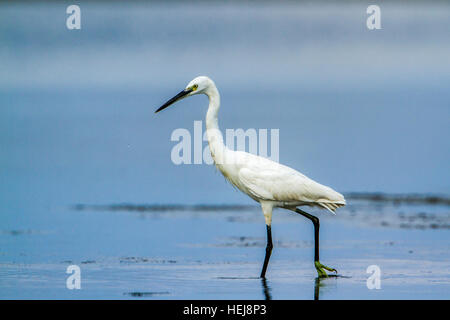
{"x":268,"y":252}
{"x":319,"y":267}
{"x":316,"y":223}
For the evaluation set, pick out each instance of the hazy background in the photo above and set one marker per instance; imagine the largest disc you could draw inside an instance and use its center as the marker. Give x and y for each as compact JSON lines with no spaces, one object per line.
{"x":358,"y":110}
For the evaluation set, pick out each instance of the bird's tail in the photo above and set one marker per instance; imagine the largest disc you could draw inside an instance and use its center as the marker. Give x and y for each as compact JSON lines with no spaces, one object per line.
{"x":332,"y":206}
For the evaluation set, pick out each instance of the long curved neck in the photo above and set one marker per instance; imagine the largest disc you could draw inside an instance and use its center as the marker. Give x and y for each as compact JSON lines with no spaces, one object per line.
{"x":213,"y":109}
{"x":215,"y":138}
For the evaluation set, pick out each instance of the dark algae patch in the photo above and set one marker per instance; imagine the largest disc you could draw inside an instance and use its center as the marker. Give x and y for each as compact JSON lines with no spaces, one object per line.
{"x":145,"y":294}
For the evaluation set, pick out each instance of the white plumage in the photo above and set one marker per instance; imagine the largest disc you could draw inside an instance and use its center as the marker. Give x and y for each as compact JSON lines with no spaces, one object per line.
{"x":268,"y":182}
{"x":265,"y":180}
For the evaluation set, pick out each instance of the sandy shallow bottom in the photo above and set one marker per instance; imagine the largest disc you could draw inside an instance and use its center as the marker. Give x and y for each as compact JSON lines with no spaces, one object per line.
{"x":217,"y":254}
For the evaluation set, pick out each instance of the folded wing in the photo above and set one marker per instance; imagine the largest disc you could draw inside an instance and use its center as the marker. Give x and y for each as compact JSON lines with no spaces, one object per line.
{"x":269,"y":180}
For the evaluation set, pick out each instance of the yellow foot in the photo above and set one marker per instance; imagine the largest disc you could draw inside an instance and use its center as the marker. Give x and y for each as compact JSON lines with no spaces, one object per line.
{"x":320,"y":269}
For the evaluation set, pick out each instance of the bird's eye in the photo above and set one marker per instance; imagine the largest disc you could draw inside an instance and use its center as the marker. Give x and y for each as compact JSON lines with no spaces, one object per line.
{"x":194,"y":87}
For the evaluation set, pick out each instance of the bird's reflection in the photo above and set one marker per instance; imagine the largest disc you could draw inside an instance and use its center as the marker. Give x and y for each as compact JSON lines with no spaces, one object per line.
{"x":266,"y":289}
{"x":319,"y":283}
{"x":324,"y":282}
{"x":317,"y":288}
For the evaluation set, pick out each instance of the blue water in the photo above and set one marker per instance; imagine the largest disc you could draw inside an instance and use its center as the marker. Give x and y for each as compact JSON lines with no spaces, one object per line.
{"x":358,"y":110}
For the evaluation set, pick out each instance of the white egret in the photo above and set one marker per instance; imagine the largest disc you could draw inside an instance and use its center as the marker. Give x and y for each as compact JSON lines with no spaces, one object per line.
{"x":268,"y":182}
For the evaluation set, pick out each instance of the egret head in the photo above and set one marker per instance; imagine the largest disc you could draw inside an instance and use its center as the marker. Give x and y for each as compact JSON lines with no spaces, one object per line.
{"x":196,"y":86}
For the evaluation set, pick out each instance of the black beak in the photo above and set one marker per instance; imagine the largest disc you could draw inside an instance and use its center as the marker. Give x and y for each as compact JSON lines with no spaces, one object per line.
{"x":179,"y":96}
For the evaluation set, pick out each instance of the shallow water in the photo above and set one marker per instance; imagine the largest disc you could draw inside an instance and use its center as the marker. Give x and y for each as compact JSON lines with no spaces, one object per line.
{"x":217,"y":254}
{"x":86,"y":175}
